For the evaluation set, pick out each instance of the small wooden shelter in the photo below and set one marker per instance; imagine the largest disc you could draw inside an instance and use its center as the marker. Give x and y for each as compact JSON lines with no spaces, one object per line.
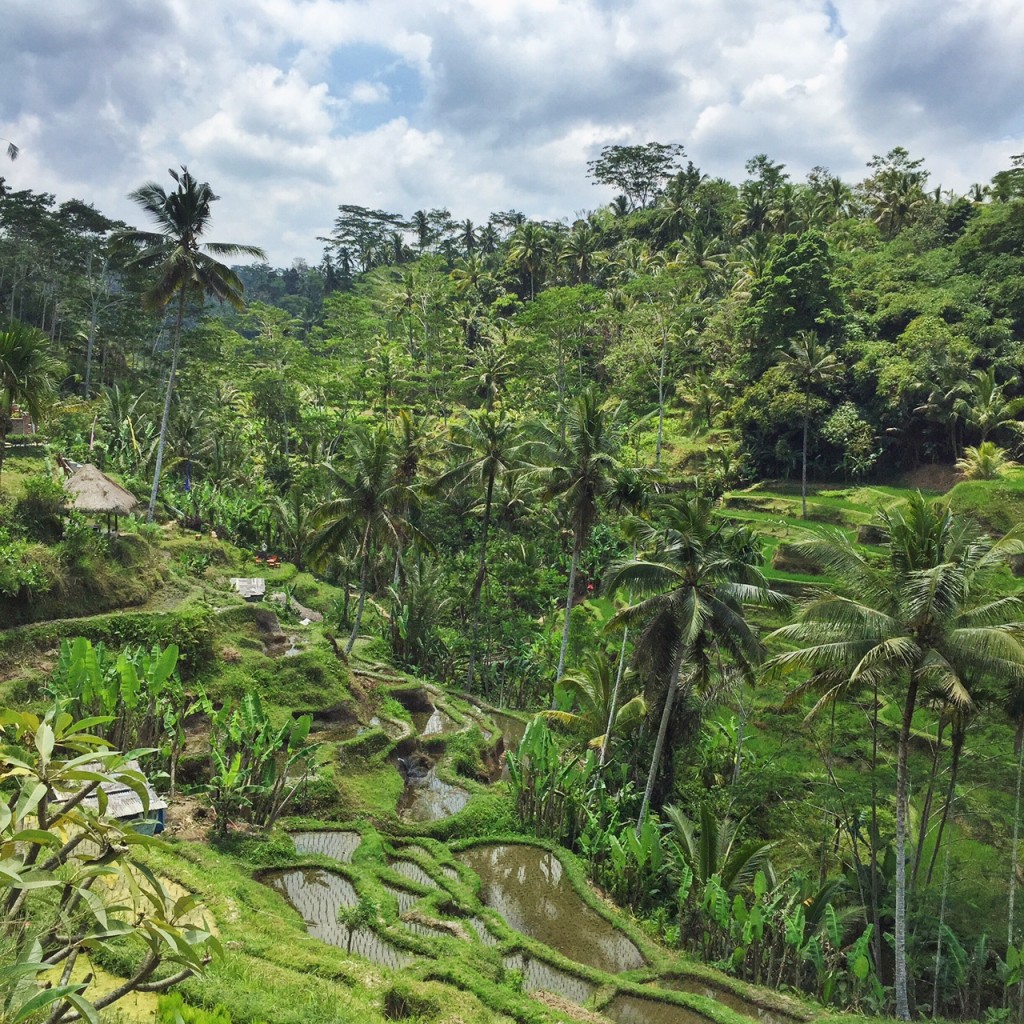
{"x":95,"y":493}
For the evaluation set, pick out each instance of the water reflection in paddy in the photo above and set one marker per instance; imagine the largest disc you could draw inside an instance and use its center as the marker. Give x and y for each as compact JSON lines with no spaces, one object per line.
{"x":539,"y":976}
{"x":430,"y":799}
{"x":634,"y":1010}
{"x":317,"y":895}
{"x":338,"y":846}
{"x":526,"y":885}
{"x":725,"y":997}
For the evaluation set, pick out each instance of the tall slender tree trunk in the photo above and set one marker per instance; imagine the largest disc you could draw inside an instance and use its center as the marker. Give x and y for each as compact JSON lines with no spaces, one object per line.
{"x":876,"y":913}
{"x":926,"y":811}
{"x":167,"y":408}
{"x":661,"y":397}
{"x":659,"y":743}
{"x":957,"y":747}
{"x":1011,"y":931}
{"x":577,"y":546}
{"x":938,"y":938}
{"x":803,"y":475}
{"x":364,"y":571}
{"x":3,"y":444}
{"x":902,"y":793}
{"x":619,"y":672}
{"x":478,"y":583}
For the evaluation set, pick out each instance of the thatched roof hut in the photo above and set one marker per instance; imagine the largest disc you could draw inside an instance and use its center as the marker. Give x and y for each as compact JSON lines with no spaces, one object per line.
{"x":94,"y":492}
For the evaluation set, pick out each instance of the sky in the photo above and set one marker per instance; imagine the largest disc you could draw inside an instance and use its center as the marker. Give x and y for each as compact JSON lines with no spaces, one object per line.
{"x":291,"y":107}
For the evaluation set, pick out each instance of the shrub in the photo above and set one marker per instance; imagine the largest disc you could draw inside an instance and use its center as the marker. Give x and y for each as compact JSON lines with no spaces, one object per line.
{"x":40,"y":509}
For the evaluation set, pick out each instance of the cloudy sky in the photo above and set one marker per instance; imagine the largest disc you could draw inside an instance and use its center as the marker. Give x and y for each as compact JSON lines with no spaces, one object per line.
{"x":290,"y":107}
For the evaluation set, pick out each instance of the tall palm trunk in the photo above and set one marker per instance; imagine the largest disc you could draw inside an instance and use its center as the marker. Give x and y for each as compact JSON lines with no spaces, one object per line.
{"x":478,"y":583}
{"x":661,"y":397}
{"x":364,"y":572}
{"x":167,"y":407}
{"x":577,"y":547}
{"x":926,"y":811}
{"x":902,"y":791}
{"x":619,"y":671}
{"x":1014,"y":851}
{"x":957,"y":747}
{"x":803,"y":475}
{"x":659,"y":743}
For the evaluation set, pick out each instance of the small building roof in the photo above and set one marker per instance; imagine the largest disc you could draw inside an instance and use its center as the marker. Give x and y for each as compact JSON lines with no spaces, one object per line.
{"x":252,"y":588}
{"x":93,"y":491}
{"x":122,"y":801}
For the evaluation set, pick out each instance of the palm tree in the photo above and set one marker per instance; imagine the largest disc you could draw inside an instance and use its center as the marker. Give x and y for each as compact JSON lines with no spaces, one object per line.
{"x":371,"y":501}
{"x":183,"y":267}
{"x":986,"y":462}
{"x":490,"y":446}
{"x":811,"y":364}
{"x":27,"y":376}
{"x":922,"y":617}
{"x":527,"y":249}
{"x":592,"y":688}
{"x":12,"y":149}
{"x":693,"y":591}
{"x":579,"y":470}
{"x":987,"y":407}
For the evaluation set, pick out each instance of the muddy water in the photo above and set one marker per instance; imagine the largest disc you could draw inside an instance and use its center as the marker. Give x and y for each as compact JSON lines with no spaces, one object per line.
{"x":539,"y":976}
{"x":433,"y":722}
{"x":512,"y":729}
{"x":430,"y":799}
{"x":317,"y":895}
{"x":725,"y":997}
{"x":404,"y":899}
{"x":633,"y":1010}
{"x":527,"y":887}
{"x":413,"y":872}
{"x":337,"y":845}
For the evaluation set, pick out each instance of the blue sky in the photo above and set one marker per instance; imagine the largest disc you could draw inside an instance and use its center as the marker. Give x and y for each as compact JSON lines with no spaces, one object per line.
{"x":290,"y":107}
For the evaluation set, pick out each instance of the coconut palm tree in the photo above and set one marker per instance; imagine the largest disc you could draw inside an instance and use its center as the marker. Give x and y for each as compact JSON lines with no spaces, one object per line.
{"x":592,"y":689}
{"x":489,"y":446}
{"x":183,"y":267}
{"x":27,"y":376}
{"x":579,"y":470}
{"x":372,"y":502}
{"x":12,"y":149}
{"x":811,"y":364}
{"x":920,"y":618}
{"x":986,"y":406}
{"x":693,"y":589}
{"x":527,"y":250}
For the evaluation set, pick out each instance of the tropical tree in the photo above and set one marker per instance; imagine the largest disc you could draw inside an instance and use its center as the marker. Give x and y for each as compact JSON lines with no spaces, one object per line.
{"x":489,"y":446}
{"x":921,"y":617}
{"x":811,"y":364}
{"x":56,"y":846}
{"x":183,"y":267}
{"x":579,"y":470}
{"x":986,"y":462}
{"x":591,"y":690}
{"x":693,"y":590}
{"x":12,"y":149}
{"x":372,"y":501}
{"x":527,"y":250}
{"x":986,"y":406}
{"x":27,"y":376}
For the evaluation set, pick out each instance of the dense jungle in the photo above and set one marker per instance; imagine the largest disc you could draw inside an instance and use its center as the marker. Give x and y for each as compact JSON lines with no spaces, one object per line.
{"x":613,"y":618}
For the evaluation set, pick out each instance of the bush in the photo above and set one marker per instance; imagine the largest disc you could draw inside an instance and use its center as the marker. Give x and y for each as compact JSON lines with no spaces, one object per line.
{"x":40,"y":509}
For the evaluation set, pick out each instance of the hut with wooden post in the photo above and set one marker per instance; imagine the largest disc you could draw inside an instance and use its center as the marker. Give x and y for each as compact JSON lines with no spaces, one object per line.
{"x":94,"y":493}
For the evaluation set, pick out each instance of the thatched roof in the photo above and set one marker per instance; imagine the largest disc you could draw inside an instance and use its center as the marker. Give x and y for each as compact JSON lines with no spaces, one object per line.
{"x":93,"y":491}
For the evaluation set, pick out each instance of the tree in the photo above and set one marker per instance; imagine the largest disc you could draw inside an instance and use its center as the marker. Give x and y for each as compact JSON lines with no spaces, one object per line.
{"x":692,"y":588}
{"x":811,"y":365}
{"x":183,"y":267}
{"x":591,"y":690}
{"x":372,"y":501}
{"x":921,"y":617}
{"x":527,"y":250}
{"x":580,"y":469}
{"x":12,"y":149}
{"x":986,"y":406}
{"x":639,"y":172}
{"x":27,"y":376}
{"x":490,"y":445}
{"x":57,"y":846}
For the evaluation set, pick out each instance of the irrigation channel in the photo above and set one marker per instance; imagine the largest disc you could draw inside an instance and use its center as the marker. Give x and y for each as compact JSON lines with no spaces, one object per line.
{"x":522,"y":909}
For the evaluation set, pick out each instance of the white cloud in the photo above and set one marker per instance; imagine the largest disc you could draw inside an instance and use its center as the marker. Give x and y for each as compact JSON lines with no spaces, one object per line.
{"x":290,"y":107}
